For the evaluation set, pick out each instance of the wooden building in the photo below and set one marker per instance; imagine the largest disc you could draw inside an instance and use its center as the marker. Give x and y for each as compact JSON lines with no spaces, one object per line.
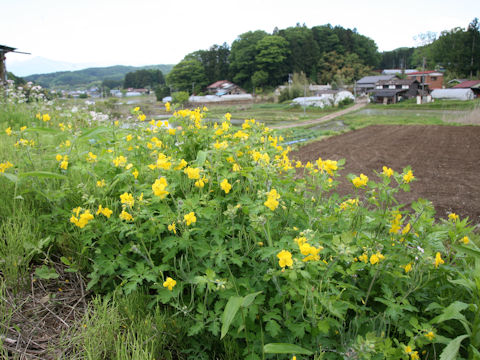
{"x":3,"y":68}
{"x":394,"y":90}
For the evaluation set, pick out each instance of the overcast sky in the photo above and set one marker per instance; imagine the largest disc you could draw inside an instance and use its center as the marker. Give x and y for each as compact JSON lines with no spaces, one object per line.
{"x":141,"y":32}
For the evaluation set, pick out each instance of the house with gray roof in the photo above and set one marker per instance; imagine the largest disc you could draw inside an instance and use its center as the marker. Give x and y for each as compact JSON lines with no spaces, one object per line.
{"x":367,"y":83}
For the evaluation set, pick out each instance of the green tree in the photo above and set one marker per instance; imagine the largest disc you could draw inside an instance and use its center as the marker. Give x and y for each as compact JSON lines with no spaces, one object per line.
{"x":186,"y":74}
{"x":214,"y":61}
{"x":304,"y":50}
{"x":343,"y":69}
{"x":272,"y":52}
{"x":143,"y":78}
{"x":242,"y":57}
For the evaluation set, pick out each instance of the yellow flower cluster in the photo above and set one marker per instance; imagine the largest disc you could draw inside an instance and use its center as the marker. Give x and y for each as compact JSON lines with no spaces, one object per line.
{"x":159,"y":186}
{"x":226,"y":186}
{"x":5,"y":165}
{"x":24,"y":142}
{"x":91,"y":158}
{"x":63,"y":160}
{"x":348,"y":204}
{"x":8,"y":131}
{"x":360,"y":181}
{"x":127,"y":199}
{"x":169,"y":283}
{"x":438,"y":260}
{"x":120,"y":161}
{"x":190,"y":218}
{"x":408,"y":177}
{"x":104,"y":211}
{"x":374,"y":258}
{"x":81,"y":220}
{"x":192,"y":173}
{"x":395,"y":224}
{"x":272,"y":199}
{"x":285,"y":258}
{"x":329,"y":166}
{"x":388,"y":172}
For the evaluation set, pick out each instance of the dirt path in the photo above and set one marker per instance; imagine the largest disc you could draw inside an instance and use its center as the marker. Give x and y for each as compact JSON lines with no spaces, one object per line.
{"x":323,"y":118}
{"x":445,"y":161}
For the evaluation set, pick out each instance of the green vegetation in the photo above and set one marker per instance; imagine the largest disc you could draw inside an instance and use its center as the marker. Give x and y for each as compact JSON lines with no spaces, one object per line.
{"x":143,"y":78}
{"x":201,"y":240}
{"x":89,"y":77}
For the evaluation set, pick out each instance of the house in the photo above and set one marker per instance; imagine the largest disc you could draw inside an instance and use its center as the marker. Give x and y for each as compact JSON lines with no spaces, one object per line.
{"x":224,"y":87}
{"x":431,"y":79}
{"x":367,"y":83}
{"x":453,"y":94}
{"x":394,"y":90}
{"x":474,"y":85}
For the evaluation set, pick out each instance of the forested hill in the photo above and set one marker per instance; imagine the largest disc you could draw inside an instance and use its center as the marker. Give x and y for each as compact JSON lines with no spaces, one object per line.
{"x":87,"y":77}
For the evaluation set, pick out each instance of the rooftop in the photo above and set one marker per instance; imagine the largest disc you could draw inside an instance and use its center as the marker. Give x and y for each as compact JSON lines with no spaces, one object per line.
{"x":468,"y":84}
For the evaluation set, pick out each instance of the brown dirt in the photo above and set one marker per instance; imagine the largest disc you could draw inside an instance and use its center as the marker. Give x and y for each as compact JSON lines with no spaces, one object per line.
{"x":445,"y":161}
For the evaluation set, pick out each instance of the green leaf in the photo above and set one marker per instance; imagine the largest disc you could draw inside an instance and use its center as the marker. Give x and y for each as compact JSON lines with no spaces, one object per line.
{"x":283,"y":348}
{"x":42,"y":130}
{"x":248,"y":299}
{"x":201,"y":157}
{"x":467,"y":250}
{"x":453,"y":311}
{"x":11,"y":177}
{"x":43,"y":174}
{"x":94,"y":131}
{"x":273,"y":328}
{"x":451,"y":351}
{"x":229,"y":313}
{"x":44,"y":272}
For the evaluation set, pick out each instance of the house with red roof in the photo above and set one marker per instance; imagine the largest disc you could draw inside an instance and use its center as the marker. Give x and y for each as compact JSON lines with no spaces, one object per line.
{"x":432,"y":79}
{"x":474,"y":85}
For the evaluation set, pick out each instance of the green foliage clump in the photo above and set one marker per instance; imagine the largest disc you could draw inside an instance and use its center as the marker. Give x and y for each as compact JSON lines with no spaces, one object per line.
{"x":214,"y":225}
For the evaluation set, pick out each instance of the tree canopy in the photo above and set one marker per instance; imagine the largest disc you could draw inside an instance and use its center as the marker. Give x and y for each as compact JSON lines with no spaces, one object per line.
{"x":143,"y":78}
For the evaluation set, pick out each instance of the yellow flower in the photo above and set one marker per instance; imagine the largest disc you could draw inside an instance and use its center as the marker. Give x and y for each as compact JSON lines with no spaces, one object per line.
{"x":374,"y":259}
{"x":23,"y":128}
{"x":58,"y":157}
{"x":8,"y":131}
{"x":407,"y":268}
{"x":135,"y":173}
{"x":169,"y":283}
{"x":167,"y":106}
{"x":465,"y":240}
{"x":84,"y":218}
{"x":172,"y":131}
{"x":272,"y":199}
{"x":406,"y":229}
{"x":453,"y":217}
{"x":236,"y":167}
{"x":285,"y":258}
{"x":129,"y":137}
{"x":190,"y":218}
{"x":159,"y":186}
{"x":141,"y":117}
{"x":4,"y":166}
{"x":127,"y":199}
{"x":360,"y":181}
{"x":438,"y":260}
{"x":104,"y":211}
{"x":414,"y":355}
{"x":228,"y":116}
{"x":363,"y":258}
{"x":387,"y":171}
{"x":408,"y":176}
{"x":101,"y":183}
{"x":226,"y":186}
{"x":125,"y":216}
{"x":136,"y":109}
{"x":408,"y":349}
{"x":430,"y":335}
{"x":91,"y":158}
{"x":46,"y":117}
{"x":172,"y":228}
{"x":192,"y":173}
{"x":181,"y":165}
{"x":64,"y":164}
{"x":120,"y":161}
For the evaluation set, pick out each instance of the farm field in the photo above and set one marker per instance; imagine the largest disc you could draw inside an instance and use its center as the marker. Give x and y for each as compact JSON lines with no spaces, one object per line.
{"x":445,"y":159}
{"x":184,"y":238}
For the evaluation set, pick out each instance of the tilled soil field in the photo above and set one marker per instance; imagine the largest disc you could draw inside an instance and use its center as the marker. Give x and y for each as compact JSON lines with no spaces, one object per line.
{"x":445,"y":161}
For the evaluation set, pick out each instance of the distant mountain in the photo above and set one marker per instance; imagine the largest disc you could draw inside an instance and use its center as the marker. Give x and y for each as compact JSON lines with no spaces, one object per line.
{"x":88,"y":77}
{"x":41,"y":65}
